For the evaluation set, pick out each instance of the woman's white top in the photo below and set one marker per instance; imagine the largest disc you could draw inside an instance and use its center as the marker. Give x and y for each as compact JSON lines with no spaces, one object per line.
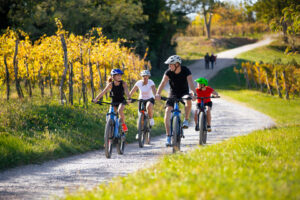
{"x":145,"y":90}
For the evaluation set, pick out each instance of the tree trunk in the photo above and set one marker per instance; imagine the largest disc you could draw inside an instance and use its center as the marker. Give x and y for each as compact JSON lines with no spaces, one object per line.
{"x":287,"y":89}
{"x":16,"y":69}
{"x":100,"y":77}
{"x":83,"y":86}
{"x":7,"y":79}
{"x":63,"y":78}
{"x":284,"y":30}
{"x":207,"y":23}
{"x":41,"y":81}
{"x":270,"y":89}
{"x":28,"y":79}
{"x":246,"y":78}
{"x":91,"y":75}
{"x":277,"y":84}
{"x":71,"y":84}
{"x":253,"y":78}
{"x":50,"y":85}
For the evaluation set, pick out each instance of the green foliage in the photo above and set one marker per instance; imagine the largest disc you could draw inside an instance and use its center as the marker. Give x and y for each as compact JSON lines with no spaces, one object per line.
{"x":38,"y":130}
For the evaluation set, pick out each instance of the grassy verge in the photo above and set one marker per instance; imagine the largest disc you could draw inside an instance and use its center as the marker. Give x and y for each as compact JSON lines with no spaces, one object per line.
{"x":32,"y":131}
{"x":192,"y":48}
{"x":264,"y":164}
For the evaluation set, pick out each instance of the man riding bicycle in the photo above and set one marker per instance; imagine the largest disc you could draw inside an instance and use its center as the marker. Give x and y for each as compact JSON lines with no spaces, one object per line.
{"x":180,"y":80}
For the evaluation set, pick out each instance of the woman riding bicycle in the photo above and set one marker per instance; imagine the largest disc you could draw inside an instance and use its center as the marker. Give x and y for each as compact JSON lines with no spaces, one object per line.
{"x":147,"y":90}
{"x":117,"y":89}
{"x":203,"y":90}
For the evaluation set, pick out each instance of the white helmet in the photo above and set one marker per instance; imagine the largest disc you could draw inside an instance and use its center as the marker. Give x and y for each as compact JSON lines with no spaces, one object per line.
{"x":145,"y":73}
{"x":173,"y":60}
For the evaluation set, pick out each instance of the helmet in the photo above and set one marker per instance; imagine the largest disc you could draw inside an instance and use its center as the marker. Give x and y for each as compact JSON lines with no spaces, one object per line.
{"x":145,"y":73}
{"x":173,"y":60}
{"x":202,"y":81}
{"x":116,"y":71}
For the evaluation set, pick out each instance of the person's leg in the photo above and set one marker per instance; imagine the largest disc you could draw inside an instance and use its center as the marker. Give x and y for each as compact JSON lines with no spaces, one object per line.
{"x":167,"y":119}
{"x":149,"y":109}
{"x":188,"y":108}
{"x":208,"y":114}
{"x":121,"y":113}
{"x":122,"y":117}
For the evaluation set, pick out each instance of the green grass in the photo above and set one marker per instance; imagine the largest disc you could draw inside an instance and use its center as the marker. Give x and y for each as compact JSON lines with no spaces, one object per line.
{"x":192,"y":48}
{"x":268,"y":54}
{"x":264,"y":164}
{"x":33,"y":131}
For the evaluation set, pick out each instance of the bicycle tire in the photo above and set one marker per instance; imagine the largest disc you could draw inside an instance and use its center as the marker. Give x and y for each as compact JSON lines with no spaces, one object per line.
{"x":205,"y":129}
{"x":148,"y":133}
{"x":108,"y":141}
{"x":141,"y":130}
{"x":176,"y":137}
{"x":120,"y":142}
{"x":201,"y":128}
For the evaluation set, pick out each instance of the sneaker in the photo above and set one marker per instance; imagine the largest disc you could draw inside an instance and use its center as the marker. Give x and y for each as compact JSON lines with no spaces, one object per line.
{"x":208,"y":128}
{"x":137,"y":136}
{"x":124,"y":128}
{"x":151,"y":122}
{"x":185,"y":124}
{"x":168,"y":142}
{"x":197,"y":127}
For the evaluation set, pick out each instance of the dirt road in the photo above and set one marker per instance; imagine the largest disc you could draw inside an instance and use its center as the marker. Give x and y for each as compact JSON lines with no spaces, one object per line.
{"x":87,"y":170}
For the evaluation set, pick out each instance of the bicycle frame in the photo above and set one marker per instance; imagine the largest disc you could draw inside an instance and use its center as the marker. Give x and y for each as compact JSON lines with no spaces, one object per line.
{"x":115,"y":117}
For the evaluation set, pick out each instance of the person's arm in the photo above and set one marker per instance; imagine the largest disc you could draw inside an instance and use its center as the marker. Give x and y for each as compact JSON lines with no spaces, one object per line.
{"x":133,"y":90}
{"x":191,"y":83}
{"x":162,"y":85}
{"x":215,"y":93}
{"x":126,"y":89}
{"x":99,"y":96}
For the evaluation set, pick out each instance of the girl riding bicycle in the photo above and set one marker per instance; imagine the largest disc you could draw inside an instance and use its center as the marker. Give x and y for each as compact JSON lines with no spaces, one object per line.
{"x":203,"y":90}
{"x":147,"y":90}
{"x":117,"y":89}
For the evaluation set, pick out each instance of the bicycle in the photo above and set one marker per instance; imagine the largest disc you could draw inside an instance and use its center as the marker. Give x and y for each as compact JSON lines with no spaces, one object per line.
{"x":202,"y":117}
{"x":176,"y":126}
{"x":113,"y":131}
{"x":143,"y":126}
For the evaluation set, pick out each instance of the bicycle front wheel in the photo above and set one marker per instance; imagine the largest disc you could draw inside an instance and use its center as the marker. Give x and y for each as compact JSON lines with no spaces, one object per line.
{"x":176,"y":137}
{"x":141,"y":131}
{"x":108,"y":137}
{"x":202,"y":129}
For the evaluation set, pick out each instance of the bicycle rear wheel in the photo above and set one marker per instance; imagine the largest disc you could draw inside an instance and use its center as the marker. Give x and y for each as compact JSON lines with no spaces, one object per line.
{"x":202,"y":128}
{"x":108,"y":137}
{"x":176,"y":138}
{"x":141,"y":130}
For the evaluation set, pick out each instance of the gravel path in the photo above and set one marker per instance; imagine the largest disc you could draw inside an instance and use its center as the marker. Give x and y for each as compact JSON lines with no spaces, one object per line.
{"x":87,"y":170}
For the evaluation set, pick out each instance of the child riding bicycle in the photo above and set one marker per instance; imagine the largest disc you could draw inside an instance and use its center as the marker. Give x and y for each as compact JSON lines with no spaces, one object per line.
{"x":203,"y":90}
{"x":117,"y":89}
{"x":147,"y":90}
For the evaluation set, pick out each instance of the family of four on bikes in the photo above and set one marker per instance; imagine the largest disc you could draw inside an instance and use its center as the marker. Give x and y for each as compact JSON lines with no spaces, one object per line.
{"x":180,"y":81}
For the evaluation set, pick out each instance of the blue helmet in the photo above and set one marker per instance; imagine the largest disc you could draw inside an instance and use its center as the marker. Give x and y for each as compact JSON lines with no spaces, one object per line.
{"x":116,"y":71}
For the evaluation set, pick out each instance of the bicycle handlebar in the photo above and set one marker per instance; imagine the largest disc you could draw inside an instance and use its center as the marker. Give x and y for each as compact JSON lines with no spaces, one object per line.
{"x":110,"y":103}
{"x":208,"y":97}
{"x":176,"y":99}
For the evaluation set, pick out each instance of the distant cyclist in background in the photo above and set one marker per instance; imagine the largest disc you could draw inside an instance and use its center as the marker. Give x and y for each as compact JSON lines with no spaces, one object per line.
{"x":147,"y":90}
{"x":180,"y":80}
{"x":117,"y":89}
{"x":203,"y":90}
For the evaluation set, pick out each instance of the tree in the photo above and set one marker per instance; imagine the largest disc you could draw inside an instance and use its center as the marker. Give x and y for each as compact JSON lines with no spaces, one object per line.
{"x":271,"y":11}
